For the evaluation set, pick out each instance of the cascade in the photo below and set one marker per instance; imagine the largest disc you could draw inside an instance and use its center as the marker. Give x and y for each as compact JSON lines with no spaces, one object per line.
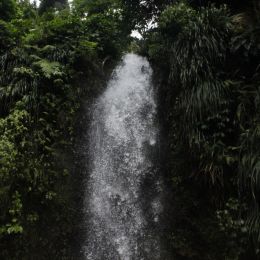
{"x":122,"y":200}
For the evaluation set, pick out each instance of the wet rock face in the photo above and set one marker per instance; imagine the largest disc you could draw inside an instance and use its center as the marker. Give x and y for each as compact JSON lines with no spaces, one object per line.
{"x":123,"y":201}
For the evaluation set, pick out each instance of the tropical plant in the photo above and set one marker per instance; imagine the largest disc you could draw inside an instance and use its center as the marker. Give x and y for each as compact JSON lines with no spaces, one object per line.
{"x":47,"y":63}
{"x":212,"y":114}
{"x":8,"y":9}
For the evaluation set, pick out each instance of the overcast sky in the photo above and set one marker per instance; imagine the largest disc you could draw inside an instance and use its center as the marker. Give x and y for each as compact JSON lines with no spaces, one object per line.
{"x":37,"y":1}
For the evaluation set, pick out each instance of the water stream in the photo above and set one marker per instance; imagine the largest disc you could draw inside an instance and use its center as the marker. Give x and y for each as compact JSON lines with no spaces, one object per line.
{"x":123,"y":202}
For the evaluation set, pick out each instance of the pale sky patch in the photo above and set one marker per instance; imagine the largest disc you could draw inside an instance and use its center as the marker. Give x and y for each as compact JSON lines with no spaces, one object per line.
{"x":136,"y":34}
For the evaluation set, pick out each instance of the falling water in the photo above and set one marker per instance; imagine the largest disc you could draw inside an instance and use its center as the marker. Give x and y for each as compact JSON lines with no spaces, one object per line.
{"x":123,"y":190}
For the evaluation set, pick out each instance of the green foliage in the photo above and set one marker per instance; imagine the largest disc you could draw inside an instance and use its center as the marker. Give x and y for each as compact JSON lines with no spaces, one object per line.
{"x":234,"y":228}
{"x":209,"y":107}
{"x":96,"y":6}
{"x":208,"y":63}
{"x":48,"y":63}
{"x":49,"y":69}
{"x":138,"y":12}
{"x":47,"y":5}
{"x":7,"y":9}
{"x":106,"y":31}
{"x":13,"y":130}
{"x":196,"y":50}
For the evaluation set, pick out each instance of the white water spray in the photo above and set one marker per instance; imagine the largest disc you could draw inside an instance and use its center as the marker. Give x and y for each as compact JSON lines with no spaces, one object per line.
{"x":123,"y":190}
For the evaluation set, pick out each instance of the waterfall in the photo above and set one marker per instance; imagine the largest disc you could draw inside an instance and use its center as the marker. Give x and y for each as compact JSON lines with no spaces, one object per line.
{"x":123,"y":203}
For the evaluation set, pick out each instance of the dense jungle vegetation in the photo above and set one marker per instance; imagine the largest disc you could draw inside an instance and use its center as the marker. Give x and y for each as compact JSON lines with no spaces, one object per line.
{"x":206,"y":60}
